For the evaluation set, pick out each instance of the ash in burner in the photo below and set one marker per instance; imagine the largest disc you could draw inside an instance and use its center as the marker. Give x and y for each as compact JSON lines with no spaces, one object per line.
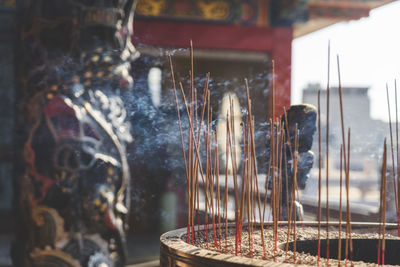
{"x":363,"y":249}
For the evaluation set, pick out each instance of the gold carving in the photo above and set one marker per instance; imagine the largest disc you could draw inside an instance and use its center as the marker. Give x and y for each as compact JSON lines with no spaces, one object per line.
{"x":150,"y":7}
{"x":214,"y":10}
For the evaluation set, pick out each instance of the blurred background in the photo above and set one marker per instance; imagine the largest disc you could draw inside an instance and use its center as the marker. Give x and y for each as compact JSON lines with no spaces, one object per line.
{"x":233,"y":40}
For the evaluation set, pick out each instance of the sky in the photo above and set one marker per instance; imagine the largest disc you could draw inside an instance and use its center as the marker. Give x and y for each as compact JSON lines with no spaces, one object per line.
{"x":369,"y":52}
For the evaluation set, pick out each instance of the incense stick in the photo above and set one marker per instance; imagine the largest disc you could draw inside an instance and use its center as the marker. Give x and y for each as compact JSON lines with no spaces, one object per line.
{"x":287,"y":207}
{"x":380,"y":220}
{"x":392,"y":152}
{"x":206,"y":95}
{"x":212,"y":172}
{"x":282,"y":135}
{"x":384,"y":202}
{"x":341,"y":113}
{"x":193,"y":113}
{"x":244,"y":177}
{"x":295,"y":160}
{"x":272,"y":94}
{"x":268,"y":169}
{"x":276,"y":188}
{"x":349,"y":244}
{"x":319,"y":176}
{"x":226,"y":184}
{"x":382,"y":209}
{"x":216,"y":168}
{"x":340,"y":207}
{"x":327,"y":158}
{"x":231,"y":130}
{"x":181,"y":135}
{"x":253,"y":152}
{"x":272,"y":166}
{"x":248,"y":203}
{"x":397,"y":162}
{"x":286,"y":180}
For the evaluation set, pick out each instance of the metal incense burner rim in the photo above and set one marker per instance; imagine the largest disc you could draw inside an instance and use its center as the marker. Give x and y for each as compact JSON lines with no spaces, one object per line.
{"x":175,"y":251}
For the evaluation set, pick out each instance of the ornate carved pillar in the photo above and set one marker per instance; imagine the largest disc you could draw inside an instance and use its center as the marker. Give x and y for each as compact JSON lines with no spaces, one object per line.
{"x":74,"y":192}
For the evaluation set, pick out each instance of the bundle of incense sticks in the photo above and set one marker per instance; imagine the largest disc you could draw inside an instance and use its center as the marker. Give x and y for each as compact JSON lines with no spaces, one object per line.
{"x":201,"y":158}
{"x":248,"y":203}
{"x":344,"y":164}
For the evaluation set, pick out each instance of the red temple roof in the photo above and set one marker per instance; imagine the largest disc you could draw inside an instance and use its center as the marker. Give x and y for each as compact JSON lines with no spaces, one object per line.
{"x":323,"y":13}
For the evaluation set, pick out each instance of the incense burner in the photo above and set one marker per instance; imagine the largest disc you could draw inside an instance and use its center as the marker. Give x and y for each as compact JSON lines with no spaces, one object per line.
{"x":175,"y":251}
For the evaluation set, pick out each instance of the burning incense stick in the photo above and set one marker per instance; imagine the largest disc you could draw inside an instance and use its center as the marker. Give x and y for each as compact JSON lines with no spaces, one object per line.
{"x":384,"y":202}
{"x":349,"y":243}
{"x":380,"y":222}
{"x":286,"y":145}
{"x":196,"y":159}
{"x":293,"y":213}
{"x":191,"y":65}
{"x":346,"y":157}
{"x":282,"y":135}
{"x":288,"y":133}
{"x":295,"y":160}
{"x":327,"y":158}
{"x":248,"y":195}
{"x":206,"y":99}
{"x":319,"y":175}
{"x":392,"y":152}
{"x":253,"y":154}
{"x":244,"y":177}
{"x":397,"y":162}
{"x":195,"y":191}
{"x":212,"y":171}
{"x":216,"y":168}
{"x":275,"y":187}
{"x":286,"y":180}
{"x":178,"y":112}
{"x":194,"y":175}
{"x":340,"y":207}
{"x":288,"y":212}
{"x":181,"y":135}
{"x":232,"y":144}
{"x":209,"y":168}
{"x":341,"y":113}
{"x":268,"y":170}
{"x":226,"y":186}
{"x":272,"y":93}
{"x":382,"y":209}
{"x":272,"y":169}
{"x":247,"y":156}
{"x":229,"y":148}
{"x":191,"y":160}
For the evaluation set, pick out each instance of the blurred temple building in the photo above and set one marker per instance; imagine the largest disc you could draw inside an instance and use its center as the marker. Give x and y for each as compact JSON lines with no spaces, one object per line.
{"x":233,"y":40}
{"x":236,"y":39}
